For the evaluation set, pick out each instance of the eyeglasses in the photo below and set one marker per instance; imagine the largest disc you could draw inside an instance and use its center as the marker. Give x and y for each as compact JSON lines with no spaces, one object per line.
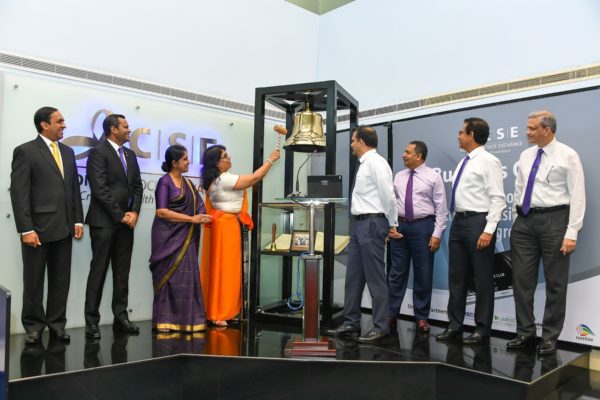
{"x":225,"y":157}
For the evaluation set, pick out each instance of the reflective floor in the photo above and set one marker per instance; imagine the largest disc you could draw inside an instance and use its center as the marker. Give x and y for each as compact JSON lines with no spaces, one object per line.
{"x":259,"y":340}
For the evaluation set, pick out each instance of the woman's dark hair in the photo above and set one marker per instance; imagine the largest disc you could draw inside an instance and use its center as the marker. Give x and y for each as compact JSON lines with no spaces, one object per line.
{"x":173,"y":153}
{"x":210,"y":160}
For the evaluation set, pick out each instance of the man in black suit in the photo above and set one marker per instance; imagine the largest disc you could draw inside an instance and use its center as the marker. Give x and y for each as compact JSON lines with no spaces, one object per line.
{"x":116,"y":187}
{"x":44,"y":191}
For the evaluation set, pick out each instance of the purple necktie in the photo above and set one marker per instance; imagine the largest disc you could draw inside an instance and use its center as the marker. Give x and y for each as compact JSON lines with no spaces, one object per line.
{"x":526,"y":206}
{"x":460,"y":171}
{"x":408,"y":201}
{"x":122,"y":159}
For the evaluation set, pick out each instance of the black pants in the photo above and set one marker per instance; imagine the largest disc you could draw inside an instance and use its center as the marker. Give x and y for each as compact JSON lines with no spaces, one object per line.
{"x":114,"y":246}
{"x":56,"y":256}
{"x":465,"y":260}
{"x":534,"y":238}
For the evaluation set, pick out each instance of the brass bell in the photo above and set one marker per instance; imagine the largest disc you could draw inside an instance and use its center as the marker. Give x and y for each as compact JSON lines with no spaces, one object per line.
{"x":307,"y":136}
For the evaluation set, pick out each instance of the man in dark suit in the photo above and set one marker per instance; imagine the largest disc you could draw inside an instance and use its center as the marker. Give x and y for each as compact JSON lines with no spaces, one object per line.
{"x":44,"y":191}
{"x":116,"y":187}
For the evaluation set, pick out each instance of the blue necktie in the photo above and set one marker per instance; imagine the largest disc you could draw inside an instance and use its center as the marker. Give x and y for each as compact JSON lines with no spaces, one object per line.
{"x":122,"y":159}
{"x":460,"y":171}
{"x":526,"y":206}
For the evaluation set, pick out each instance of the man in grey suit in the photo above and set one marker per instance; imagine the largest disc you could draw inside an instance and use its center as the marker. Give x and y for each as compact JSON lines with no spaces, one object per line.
{"x":116,"y":187}
{"x":46,"y":202}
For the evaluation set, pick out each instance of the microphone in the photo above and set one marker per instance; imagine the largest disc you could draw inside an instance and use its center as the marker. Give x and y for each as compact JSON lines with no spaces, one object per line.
{"x":298,"y":193}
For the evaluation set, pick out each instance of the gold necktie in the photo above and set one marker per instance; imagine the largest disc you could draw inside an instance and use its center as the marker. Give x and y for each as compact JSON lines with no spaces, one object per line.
{"x":56,"y":156}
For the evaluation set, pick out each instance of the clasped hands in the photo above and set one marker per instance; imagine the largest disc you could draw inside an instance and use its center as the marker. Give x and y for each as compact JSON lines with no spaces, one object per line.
{"x":130,"y":219}
{"x":201,"y":219}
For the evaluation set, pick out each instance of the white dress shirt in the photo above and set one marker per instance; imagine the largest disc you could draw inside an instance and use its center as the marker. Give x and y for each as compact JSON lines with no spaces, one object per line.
{"x":373,"y":189}
{"x":117,"y":147}
{"x":559,"y":181}
{"x":49,"y":143}
{"x":481,"y":188}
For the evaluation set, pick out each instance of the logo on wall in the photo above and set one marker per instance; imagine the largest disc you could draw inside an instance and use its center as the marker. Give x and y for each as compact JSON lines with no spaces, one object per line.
{"x":584,"y":333}
{"x":87,"y":143}
{"x":584,"y":330}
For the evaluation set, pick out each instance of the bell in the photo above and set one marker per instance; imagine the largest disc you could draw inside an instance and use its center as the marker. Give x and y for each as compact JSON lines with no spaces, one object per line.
{"x":307,"y":136}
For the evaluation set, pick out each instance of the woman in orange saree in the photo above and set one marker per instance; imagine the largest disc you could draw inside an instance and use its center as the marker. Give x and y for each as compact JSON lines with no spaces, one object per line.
{"x":227,"y":203}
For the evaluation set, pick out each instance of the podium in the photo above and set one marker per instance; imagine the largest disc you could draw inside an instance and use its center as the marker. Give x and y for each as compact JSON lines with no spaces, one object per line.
{"x":311,"y":343}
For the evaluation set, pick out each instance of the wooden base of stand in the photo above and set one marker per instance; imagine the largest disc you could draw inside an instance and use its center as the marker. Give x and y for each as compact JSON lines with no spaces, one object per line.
{"x":323,"y":348}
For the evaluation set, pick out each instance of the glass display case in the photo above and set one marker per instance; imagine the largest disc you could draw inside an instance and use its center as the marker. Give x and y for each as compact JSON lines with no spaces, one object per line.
{"x":276,"y":275}
{"x":283,"y":238}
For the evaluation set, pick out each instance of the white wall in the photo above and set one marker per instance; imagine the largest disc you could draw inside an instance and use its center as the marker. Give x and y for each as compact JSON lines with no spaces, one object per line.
{"x":382,"y":51}
{"x":222,"y":47}
{"x":388,"y":51}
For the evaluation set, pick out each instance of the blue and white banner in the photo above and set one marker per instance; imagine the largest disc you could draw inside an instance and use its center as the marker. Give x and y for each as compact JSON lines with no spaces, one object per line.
{"x":578,"y":128}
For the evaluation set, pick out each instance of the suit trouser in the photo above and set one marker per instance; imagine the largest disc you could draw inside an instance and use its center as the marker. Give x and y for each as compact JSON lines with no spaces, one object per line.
{"x":464,"y":259}
{"x":366,"y":264}
{"x":413,"y":246}
{"x":57,"y":257}
{"x":534,"y":238}
{"x":114,"y":246}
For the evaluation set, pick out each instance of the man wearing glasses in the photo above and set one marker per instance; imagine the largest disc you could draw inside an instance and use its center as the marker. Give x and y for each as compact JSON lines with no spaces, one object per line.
{"x":549,"y":206}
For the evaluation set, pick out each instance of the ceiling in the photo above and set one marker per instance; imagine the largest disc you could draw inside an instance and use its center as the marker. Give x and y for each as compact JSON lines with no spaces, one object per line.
{"x":320,"y":7}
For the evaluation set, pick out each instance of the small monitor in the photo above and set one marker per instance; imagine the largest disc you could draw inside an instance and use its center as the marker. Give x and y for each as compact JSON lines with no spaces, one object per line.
{"x":325,"y":186}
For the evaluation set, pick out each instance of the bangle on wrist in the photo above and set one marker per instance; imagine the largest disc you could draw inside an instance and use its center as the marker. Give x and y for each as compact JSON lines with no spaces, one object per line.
{"x":269,"y":161}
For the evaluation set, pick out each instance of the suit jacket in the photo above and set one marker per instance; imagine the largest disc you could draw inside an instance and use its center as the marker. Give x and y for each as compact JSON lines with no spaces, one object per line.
{"x":42,"y":200}
{"x":113,"y":192}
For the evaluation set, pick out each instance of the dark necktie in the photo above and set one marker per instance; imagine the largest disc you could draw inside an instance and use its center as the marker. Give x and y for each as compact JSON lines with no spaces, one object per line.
{"x":526,"y":206}
{"x":460,"y":171}
{"x":409,"y":213}
{"x":122,"y":159}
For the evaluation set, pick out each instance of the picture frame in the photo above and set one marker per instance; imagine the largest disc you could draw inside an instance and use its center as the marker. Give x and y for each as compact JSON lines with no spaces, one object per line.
{"x":299,"y":241}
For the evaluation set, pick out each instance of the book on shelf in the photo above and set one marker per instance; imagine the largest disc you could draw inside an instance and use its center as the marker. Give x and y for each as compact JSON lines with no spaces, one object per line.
{"x":284,"y":241}
{"x":339,"y":244}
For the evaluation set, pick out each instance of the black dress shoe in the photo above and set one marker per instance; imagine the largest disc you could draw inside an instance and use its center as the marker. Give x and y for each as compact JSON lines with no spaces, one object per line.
{"x":33,"y":337}
{"x":371,"y":337}
{"x":476,"y":338}
{"x":343,"y":330}
{"x":126,"y":326}
{"x":520,"y":342}
{"x":547,"y":346}
{"x":448,"y":334}
{"x":92,"y":332}
{"x":60,"y":335}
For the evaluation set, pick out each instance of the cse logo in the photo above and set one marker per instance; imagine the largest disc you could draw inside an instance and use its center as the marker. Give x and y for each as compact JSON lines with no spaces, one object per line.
{"x":90,"y":142}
